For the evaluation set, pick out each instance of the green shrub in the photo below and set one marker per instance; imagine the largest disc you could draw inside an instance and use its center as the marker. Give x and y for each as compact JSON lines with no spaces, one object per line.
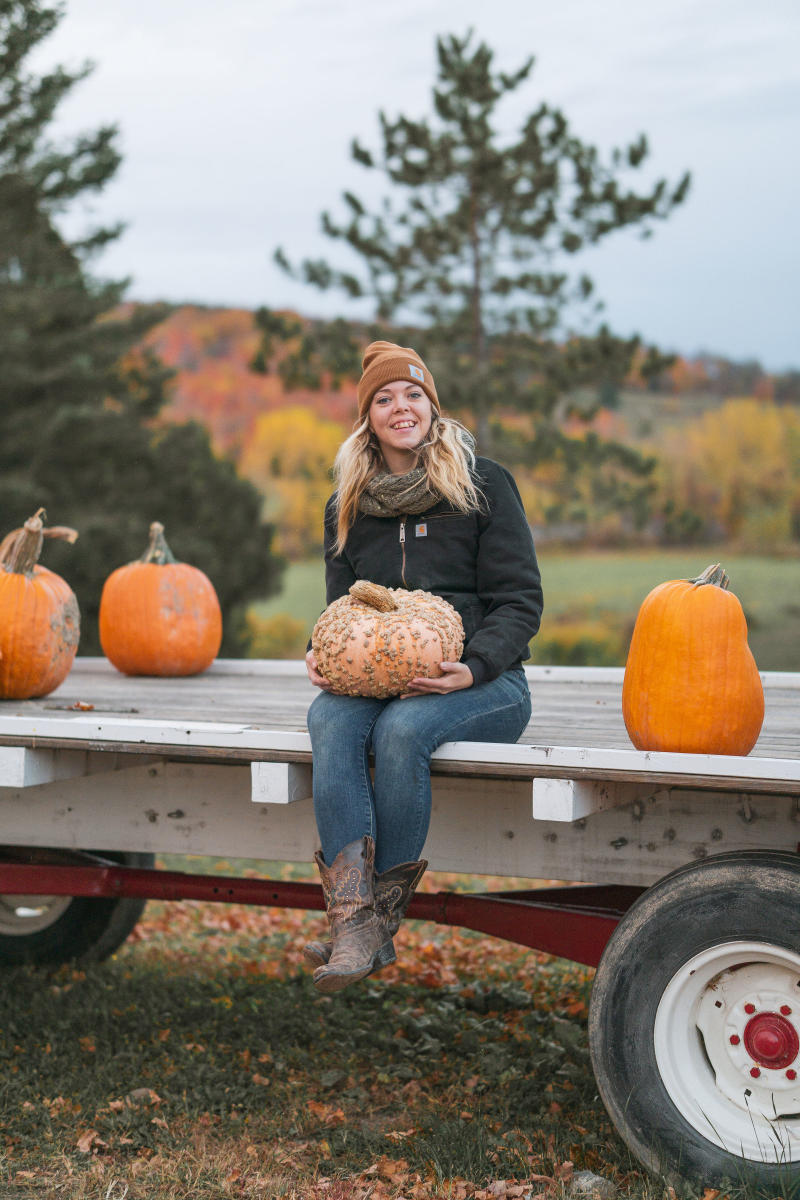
{"x":576,"y":642}
{"x":280,"y":636}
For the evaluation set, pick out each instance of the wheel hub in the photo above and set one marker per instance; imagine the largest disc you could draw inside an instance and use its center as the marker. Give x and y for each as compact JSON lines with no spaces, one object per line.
{"x":749,"y":1019}
{"x":20,"y":916}
{"x":771,"y":1040}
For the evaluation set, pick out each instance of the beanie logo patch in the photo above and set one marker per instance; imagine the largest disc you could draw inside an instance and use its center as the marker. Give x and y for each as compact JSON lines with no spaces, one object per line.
{"x":416,"y":373}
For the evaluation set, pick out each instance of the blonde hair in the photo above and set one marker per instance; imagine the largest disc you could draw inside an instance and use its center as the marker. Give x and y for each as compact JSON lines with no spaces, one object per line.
{"x":448,"y":456}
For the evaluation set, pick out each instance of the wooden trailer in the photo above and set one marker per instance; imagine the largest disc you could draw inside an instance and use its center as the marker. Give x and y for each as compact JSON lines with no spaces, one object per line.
{"x":681,"y":873}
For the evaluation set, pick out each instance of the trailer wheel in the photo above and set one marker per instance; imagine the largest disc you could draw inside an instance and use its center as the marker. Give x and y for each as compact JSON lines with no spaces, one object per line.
{"x":50,"y":930}
{"x":694,"y":1024}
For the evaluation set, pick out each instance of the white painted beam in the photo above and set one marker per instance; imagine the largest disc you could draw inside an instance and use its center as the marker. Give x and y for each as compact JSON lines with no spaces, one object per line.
{"x":280,"y":783}
{"x":478,"y":826}
{"x":23,"y":768}
{"x":573,"y":799}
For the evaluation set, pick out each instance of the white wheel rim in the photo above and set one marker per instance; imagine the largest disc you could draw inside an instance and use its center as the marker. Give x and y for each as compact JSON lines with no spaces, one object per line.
{"x":23,"y":915}
{"x":727,"y":1047}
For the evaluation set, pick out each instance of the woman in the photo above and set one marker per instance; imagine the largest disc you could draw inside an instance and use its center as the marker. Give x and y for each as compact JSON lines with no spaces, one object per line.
{"x":414,"y":508}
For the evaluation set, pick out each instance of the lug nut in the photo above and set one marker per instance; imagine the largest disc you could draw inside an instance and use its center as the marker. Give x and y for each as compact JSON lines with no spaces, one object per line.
{"x":755,"y":1072}
{"x":735,"y":1039}
{"x":749,"y":1008}
{"x":785,"y":1009}
{"x":791,"y":1073}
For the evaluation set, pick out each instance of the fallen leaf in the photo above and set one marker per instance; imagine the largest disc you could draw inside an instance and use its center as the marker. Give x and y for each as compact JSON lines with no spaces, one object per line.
{"x":326,"y":1113}
{"x":399,"y":1135}
{"x":90,"y":1140}
{"x":545,"y":1179}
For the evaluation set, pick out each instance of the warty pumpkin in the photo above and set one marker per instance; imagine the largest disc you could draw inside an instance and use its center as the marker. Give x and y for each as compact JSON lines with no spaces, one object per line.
{"x":39,"y":618}
{"x":373,"y":641}
{"x":691,"y":683}
{"x":159,"y":616}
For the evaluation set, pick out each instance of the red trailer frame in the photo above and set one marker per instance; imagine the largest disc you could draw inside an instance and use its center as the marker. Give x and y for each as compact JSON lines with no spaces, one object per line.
{"x":571,"y":922}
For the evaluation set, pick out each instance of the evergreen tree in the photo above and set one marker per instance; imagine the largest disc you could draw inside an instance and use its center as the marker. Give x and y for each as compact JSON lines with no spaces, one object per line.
{"x":467,"y":258}
{"x":77,"y":397}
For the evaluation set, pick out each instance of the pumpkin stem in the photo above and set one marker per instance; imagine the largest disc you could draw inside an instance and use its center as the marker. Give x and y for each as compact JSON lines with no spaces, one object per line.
{"x":714,"y":574}
{"x":373,"y":594}
{"x":157,"y":549}
{"x":20,"y":549}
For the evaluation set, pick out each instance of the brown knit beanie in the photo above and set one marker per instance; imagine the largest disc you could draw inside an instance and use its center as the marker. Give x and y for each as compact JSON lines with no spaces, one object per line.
{"x":384,"y":362}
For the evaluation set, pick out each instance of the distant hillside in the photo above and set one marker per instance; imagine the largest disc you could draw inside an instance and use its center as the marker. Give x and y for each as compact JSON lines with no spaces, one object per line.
{"x":211,"y":350}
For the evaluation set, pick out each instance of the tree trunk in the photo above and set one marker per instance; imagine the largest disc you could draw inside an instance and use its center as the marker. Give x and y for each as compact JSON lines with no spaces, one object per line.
{"x":480,"y":351}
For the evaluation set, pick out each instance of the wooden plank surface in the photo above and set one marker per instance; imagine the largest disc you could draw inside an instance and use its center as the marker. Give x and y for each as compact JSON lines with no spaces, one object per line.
{"x":577,"y":707}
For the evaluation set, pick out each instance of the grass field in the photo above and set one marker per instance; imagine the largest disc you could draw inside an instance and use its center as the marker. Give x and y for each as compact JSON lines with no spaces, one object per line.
{"x":199,"y":1062}
{"x":608,"y":587}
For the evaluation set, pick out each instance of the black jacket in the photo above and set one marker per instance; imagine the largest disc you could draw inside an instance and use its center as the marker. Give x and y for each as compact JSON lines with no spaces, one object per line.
{"x":484,"y":563}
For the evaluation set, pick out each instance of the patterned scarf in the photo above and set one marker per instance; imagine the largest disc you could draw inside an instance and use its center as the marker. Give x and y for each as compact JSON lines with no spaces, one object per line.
{"x":389,"y":495}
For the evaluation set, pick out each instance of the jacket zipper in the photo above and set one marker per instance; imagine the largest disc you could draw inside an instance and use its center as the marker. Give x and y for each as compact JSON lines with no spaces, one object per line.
{"x":403,"y":548}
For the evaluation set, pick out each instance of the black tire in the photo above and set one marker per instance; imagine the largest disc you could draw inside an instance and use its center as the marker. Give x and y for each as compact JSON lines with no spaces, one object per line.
{"x":81,"y":929}
{"x":684,"y":1099}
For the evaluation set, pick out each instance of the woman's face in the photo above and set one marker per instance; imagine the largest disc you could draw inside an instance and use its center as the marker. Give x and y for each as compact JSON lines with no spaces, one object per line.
{"x":400,"y":416}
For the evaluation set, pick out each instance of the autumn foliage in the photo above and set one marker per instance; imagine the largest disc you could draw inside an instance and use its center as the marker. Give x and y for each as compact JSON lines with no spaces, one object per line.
{"x":289,"y":457}
{"x":736,"y":470}
{"x":211,"y":352}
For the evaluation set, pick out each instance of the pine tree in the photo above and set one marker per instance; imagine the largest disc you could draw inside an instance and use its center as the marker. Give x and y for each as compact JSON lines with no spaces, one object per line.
{"x":77,"y":394}
{"x":468,"y":256}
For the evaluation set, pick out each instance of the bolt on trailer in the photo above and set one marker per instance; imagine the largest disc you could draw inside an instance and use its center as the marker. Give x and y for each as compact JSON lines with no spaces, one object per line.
{"x":679,"y":873}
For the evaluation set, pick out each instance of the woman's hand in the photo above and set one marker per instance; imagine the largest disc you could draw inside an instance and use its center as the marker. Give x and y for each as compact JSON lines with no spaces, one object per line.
{"x":313,"y":674}
{"x":454,"y":677}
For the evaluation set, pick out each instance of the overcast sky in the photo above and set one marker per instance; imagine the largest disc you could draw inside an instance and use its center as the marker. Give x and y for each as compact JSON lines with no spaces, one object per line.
{"x":236,"y":122}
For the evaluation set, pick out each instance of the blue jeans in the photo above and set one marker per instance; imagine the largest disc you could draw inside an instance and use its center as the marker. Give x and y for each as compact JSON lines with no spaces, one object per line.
{"x":395,"y":810}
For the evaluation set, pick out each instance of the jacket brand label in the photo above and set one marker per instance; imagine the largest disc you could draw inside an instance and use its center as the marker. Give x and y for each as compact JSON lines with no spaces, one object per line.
{"x":421,"y":530}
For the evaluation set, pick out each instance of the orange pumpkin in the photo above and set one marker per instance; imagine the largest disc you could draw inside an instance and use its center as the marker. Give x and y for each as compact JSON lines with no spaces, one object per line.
{"x":39,"y":618}
{"x":159,"y":616}
{"x":374,"y":640}
{"x":691,"y":683}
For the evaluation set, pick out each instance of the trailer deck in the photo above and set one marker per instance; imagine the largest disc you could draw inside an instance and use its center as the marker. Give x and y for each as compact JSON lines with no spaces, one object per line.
{"x":572,"y":706}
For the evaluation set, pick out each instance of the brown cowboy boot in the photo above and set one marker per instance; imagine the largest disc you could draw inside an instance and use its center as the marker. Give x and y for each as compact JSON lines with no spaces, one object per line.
{"x":358,"y":931}
{"x":393,"y":892}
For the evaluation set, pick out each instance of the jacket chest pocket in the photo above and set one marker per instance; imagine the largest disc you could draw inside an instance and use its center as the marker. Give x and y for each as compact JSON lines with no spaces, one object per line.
{"x":441,"y":525}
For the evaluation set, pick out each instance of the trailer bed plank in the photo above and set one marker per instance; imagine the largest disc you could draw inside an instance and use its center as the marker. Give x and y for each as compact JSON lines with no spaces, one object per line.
{"x":577,"y":707}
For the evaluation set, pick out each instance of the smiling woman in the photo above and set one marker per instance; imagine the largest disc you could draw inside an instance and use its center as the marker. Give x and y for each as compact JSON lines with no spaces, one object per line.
{"x":414,"y":511}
